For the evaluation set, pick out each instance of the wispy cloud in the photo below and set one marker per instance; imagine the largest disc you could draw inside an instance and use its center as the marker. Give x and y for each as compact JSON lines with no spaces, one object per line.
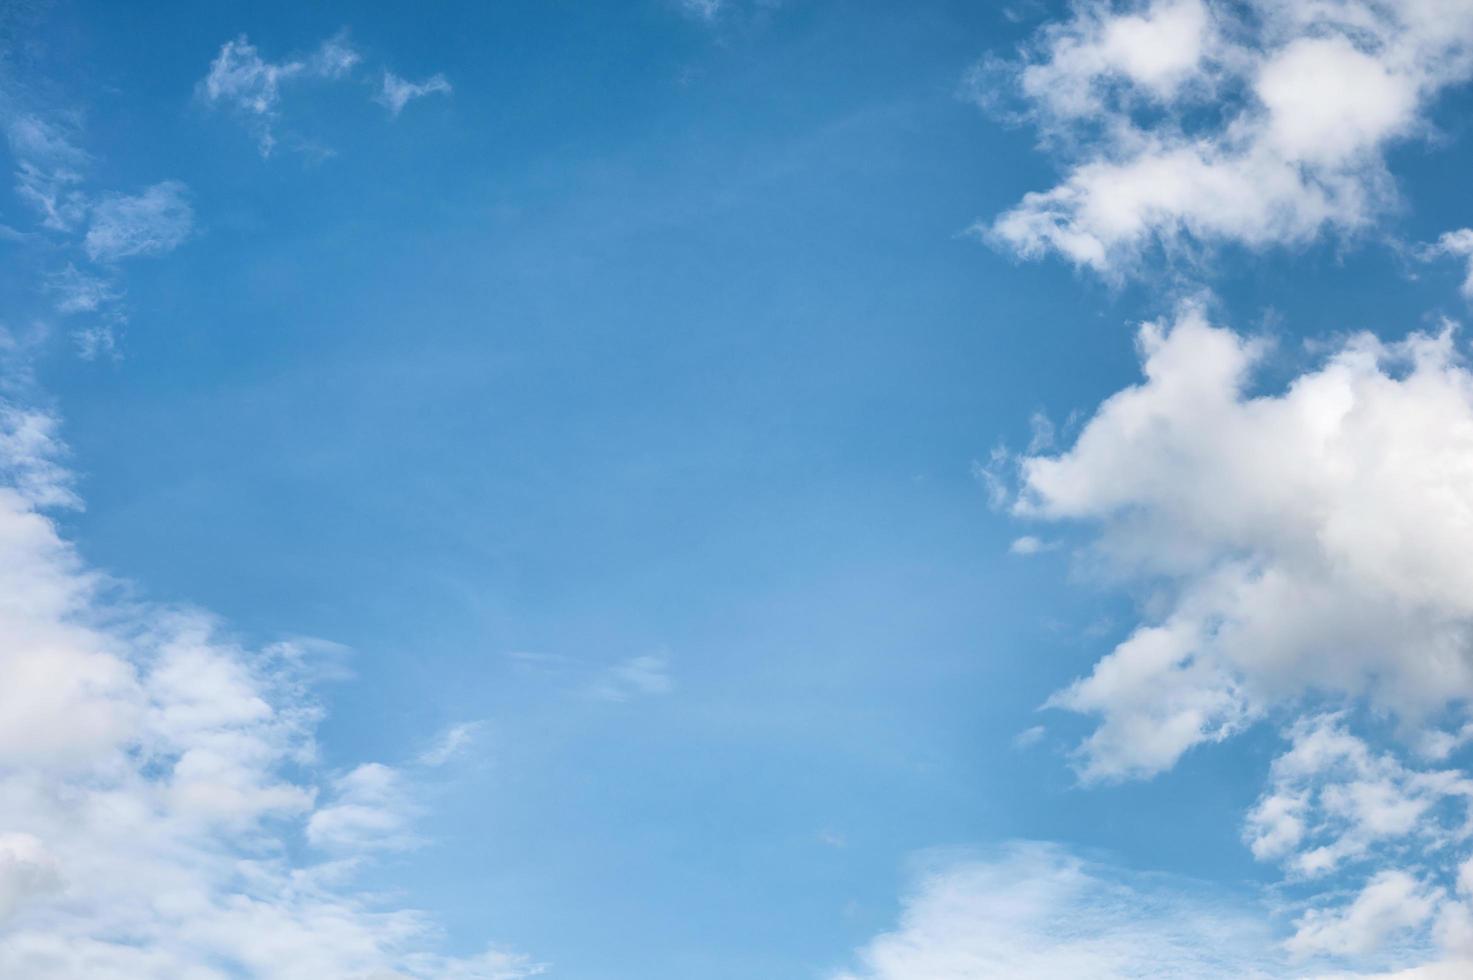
{"x":1036,"y":912}
{"x":248,"y":85}
{"x":452,"y":742}
{"x":78,"y":225}
{"x":642,"y":676}
{"x":398,"y":92}
{"x":152,"y":222}
{"x":647,"y":675}
{"x":1457,"y":244}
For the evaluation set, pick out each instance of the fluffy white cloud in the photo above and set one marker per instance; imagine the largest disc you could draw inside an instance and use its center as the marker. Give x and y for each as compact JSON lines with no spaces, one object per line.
{"x":1199,"y":121}
{"x":1312,"y":539}
{"x":156,"y":221}
{"x":397,"y":92}
{"x":1036,"y":912}
{"x":1392,"y":901}
{"x":157,"y":779}
{"x":1333,"y":800}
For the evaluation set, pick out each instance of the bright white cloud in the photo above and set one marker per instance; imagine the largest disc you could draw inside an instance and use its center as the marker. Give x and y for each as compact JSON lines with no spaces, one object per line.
{"x":1308,"y":540}
{"x":1333,"y":800}
{"x":156,"y":221}
{"x":398,"y":92}
{"x":1193,"y":122}
{"x":1036,"y":912}
{"x":157,"y":778}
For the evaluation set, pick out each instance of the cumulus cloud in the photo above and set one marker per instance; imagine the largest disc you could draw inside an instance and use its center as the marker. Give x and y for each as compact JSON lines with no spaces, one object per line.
{"x":398,"y":92}
{"x":1312,"y":539}
{"x":1036,"y":912}
{"x":157,"y":778}
{"x":248,"y":85}
{"x":1332,"y":799}
{"x":1193,"y":122}
{"x":153,"y":222}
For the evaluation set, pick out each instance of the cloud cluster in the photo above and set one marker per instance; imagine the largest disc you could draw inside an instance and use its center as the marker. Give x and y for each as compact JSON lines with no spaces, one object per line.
{"x":1305,"y":541}
{"x":51,"y":177}
{"x":1195,"y":122}
{"x":161,"y":813}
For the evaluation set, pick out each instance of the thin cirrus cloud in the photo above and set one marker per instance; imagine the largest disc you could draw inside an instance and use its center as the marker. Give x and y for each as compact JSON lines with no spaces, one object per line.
{"x":398,"y":92}
{"x":152,"y":222}
{"x":100,"y":228}
{"x":149,"y":810}
{"x":1191,"y":123}
{"x":250,"y":87}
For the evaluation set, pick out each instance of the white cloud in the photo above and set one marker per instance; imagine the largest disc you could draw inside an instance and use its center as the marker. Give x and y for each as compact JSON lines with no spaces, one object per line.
{"x":1029,"y":545}
{"x":1035,"y":912}
{"x":157,"y":778}
{"x":1029,"y":737}
{"x":1458,"y":244}
{"x":49,"y":170}
{"x":1391,"y":902}
{"x":242,"y":81}
{"x":451,"y":743}
{"x":397,"y":92}
{"x":636,"y":677}
{"x":370,"y":809}
{"x":1309,"y":540}
{"x":156,"y":221}
{"x":1193,"y":122}
{"x":80,"y":292}
{"x":1333,"y":800}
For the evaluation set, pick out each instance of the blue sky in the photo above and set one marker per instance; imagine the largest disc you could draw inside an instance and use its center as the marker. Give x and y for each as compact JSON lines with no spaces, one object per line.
{"x":666,"y":489}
